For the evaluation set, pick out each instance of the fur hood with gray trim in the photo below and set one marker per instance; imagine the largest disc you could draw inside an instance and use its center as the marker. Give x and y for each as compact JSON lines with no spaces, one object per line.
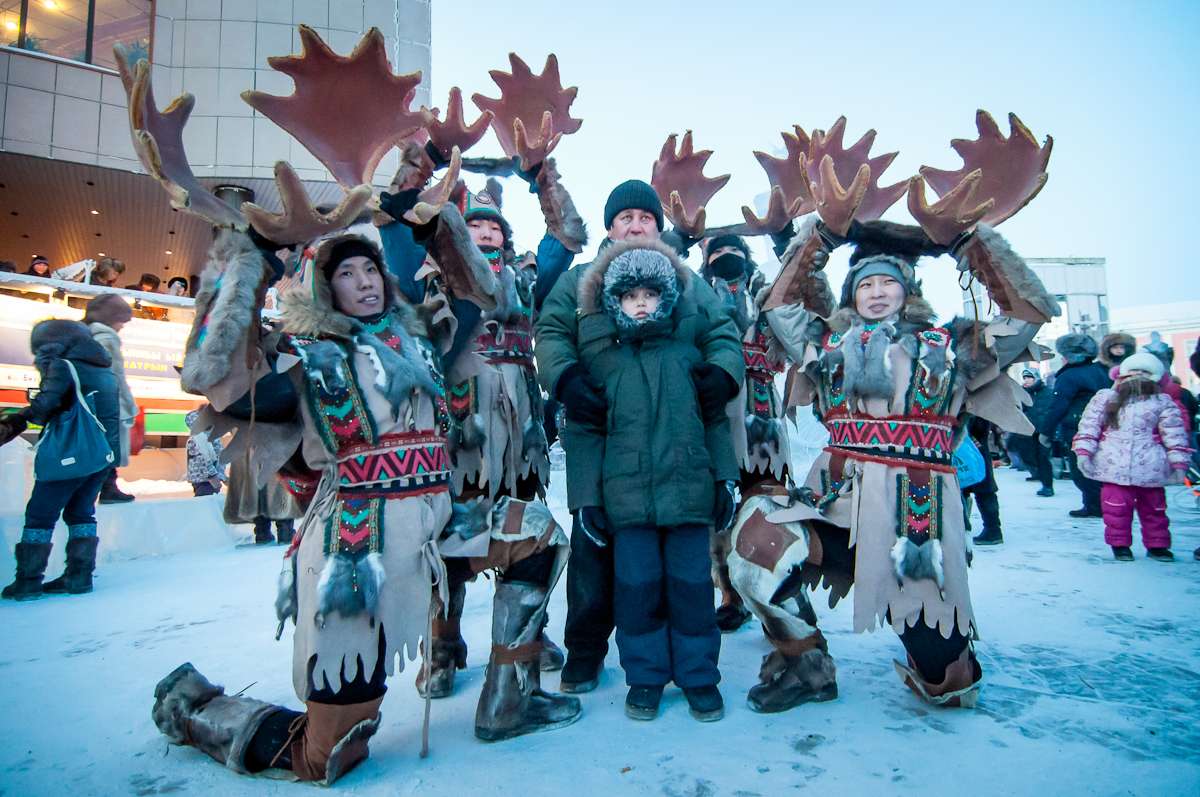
{"x":1114,"y":339}
{"x":641,"y":263}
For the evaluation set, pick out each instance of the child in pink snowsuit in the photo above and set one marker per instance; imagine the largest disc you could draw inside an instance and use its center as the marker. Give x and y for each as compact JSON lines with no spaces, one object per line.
{"x":1133,"y":439}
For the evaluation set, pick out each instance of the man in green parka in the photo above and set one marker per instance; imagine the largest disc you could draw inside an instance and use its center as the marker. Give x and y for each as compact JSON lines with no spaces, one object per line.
{"x":632,"y":213}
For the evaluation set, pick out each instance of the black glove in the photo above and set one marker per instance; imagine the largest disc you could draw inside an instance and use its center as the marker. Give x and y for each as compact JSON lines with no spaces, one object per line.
{"x":782,"y":238}
{"x":440,"y":161}
{"x":723,"y":505}
{"x":528,"y":175}
{"x":714,"y":389}
{"x":267,"y":248}
{"x":399,"y":203}
{"x":583,"y":397}
{"x":594,"y":524}
{"x":11,"y":427}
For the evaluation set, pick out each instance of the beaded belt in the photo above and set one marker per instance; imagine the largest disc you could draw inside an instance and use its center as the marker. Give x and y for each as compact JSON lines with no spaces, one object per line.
{"x":758,"y":367}
{"x":397,"y":464}
{"x":507,"y":344}
{"x":902,"y":438}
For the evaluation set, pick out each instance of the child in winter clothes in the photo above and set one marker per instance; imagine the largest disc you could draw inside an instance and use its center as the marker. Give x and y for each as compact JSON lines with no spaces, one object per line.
{"x":1132,"y":439}
{"x":657,"y":477}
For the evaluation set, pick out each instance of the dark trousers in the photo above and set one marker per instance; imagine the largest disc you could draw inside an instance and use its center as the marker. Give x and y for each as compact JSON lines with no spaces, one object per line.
{"x":589,"y":597}
{"x":1040,"y":466}
{"x":73,"y":499}
{"x":666,"y":621}
{"x":1087,"y":487}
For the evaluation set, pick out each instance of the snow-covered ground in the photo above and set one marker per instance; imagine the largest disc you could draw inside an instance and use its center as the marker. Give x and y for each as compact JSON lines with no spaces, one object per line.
{"x":1092,"y":687}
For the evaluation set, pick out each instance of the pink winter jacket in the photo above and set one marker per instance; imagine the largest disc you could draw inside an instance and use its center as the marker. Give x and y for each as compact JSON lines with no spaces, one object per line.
{"x":1149,"y":441}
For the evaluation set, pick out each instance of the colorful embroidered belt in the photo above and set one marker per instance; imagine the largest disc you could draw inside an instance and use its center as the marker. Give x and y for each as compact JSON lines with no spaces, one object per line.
{"x":396,"y":465}
{"x":758,"y":367}
{"x":906,"y":439}
{"x":511,"y":344}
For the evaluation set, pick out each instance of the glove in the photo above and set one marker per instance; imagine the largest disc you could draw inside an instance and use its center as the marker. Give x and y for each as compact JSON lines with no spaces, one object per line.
{"x":594,"y":524}
{"x":399,"y":203}
{"x":528,"y":175}
{"x":11,"y":428}
{"x":714,"y":389}
{"x":723,"y":504}
{"x":583,"y":397}
{"x":440,"y":161}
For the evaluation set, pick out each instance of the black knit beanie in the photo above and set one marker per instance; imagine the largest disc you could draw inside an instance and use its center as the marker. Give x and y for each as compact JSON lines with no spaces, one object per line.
{"x":352,"y":247}
{"x":633,"y":194}
{"x":713,"y":244}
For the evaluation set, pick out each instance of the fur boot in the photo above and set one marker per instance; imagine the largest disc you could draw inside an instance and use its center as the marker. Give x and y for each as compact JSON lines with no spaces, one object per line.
{"x":81,"y":562}
{"x":191,"y":710}
{"x":512,"y":702}
{"x":449,"y":649}
{"x":31,"y":567}
{"x":959,"y":689}
{"x":797,"y":671}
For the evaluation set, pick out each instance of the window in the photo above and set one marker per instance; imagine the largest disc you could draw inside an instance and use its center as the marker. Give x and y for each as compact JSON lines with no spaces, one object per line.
{"x":81,"y":30}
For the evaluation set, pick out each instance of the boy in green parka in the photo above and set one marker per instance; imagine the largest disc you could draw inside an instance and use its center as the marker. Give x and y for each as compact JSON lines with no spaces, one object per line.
{"x":659,"y":474}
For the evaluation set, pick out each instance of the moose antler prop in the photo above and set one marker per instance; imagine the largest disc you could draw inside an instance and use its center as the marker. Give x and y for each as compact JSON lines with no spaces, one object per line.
{"x":678,"y":179}
{"x":533,"y":112}
{"x":348,"y":111}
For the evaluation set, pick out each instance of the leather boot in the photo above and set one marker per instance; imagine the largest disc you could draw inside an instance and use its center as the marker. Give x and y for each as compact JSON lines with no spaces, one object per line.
{"x":551,"y":659}
{"x":512,"y":702}
{"x":191,"y":710}
{"x":262,"y":531}
{"x":960,"y":687}
{"x":81,"y":562}
{"x":334,"y":739}
{"x":797,"y":671}
{"x":31,"y":566}
{"x":449,"y":648}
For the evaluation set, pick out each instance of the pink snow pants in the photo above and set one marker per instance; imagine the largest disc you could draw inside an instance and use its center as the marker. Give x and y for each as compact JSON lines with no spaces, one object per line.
{"x":1117,"y":502}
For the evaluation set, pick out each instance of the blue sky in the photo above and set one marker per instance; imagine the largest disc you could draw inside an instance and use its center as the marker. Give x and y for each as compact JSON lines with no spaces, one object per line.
{"x":1116,"y":84}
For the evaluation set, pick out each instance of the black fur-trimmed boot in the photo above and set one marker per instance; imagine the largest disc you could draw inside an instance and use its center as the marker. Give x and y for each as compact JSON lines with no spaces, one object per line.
{"x":512,"y":702}
{"x":31,"y":567}
{"x":81,"y":563}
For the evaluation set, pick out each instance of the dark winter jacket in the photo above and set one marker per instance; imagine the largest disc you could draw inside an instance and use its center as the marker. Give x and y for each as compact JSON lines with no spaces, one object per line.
{"x":1194,"y":360}
{"x":56,"y":392}
{"x":1042,"y":398}
{"x":1074,"y":386}
{"x":657,"y":463}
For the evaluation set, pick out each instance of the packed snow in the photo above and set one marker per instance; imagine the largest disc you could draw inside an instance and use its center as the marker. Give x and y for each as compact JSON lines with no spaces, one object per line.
{"x":1092,"y":683}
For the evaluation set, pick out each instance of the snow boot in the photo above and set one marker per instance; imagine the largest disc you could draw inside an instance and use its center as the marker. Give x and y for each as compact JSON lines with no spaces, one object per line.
{"x":959,"y":689}
{"x":581,"y":674}
{"x":732,"y":616}
{"x":262,"y":531}
{"x":31,"y":567}
{"x":110,"y":493}
{"x":798,"y":671}
{"x":1122,"y":553}
{"x":1046,"y":492}
{"x":191,"y":710}
{"x":1085,"y":512}
{"x":449,"y":648}
{"x":81,"y":562}
{"x":990,"y":536}
{"x":512,"y":702}
{"x":642,"y":702}
{"x":705,"y":702}
{"x":1160,"y":554}
{"x":284,"y":531}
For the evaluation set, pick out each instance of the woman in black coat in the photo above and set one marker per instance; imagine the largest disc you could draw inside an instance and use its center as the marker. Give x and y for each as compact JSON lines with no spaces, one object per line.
{"x":53,"y":343}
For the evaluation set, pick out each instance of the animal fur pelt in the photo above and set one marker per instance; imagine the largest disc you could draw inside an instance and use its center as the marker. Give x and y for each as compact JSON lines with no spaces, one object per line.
{"x":533,"y":439}
{"x":397,"y":374}
{"x":735,"y":303}
{"x":349,"y":585}
{"x":286,"y":604}
{"x":1010,"y":282}
{"x":469,"y":518}
{"x":906,"y":241}
{"x":867,"y":369}
{"x":226,"y":316}
{"x":763,"y":435}
{"x":562,"y":219}
{"x":324,"y":363}
{"x":917,"y":562}
{"x":178,"y":696}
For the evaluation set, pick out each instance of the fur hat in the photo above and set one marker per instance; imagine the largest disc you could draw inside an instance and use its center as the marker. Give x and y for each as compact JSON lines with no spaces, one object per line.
{"x":634,"y":194}
{"x":1145,"y":362}
{"x":641,"y":263}
{"x":107,"y":309}
{"x":1116,"y":339}
{"x":878,"y":244}
{"x":1076,"y":347}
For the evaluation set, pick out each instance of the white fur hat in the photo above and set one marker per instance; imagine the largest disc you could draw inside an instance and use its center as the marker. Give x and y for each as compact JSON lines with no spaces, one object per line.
{"x":1145,"y":362}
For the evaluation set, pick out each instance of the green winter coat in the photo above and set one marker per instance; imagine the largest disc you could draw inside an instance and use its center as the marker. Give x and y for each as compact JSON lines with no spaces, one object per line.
{"x":657,"y":463}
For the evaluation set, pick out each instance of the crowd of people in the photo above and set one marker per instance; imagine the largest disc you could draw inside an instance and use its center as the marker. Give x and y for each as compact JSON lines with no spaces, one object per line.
{"x":402,"y":408}
{"x":104,"y":271}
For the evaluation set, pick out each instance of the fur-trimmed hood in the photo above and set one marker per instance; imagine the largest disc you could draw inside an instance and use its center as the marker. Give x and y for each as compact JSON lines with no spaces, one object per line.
{"x":592,"y":283}
{"x":1114,"y":339}
{"x":308,"y":309}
